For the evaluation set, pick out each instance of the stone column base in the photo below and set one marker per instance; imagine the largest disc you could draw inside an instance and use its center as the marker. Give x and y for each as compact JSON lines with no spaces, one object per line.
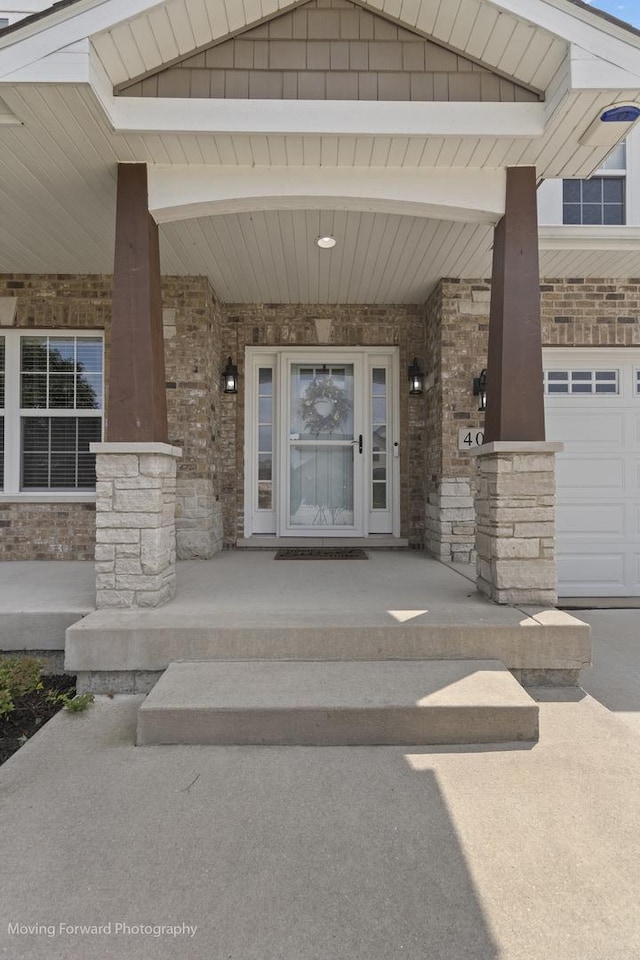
{"x":135,"y":523}
{"x":199,"y":533}
{"x":515,"y":516}
{"x":450,"y":521}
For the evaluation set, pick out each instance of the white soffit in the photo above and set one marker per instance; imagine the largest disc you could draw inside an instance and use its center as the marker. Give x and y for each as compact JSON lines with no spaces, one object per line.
{"x":394,"y":134}
{"x":57,"y":193}
{"x":271,"y":256}
{"x":580,"y":251}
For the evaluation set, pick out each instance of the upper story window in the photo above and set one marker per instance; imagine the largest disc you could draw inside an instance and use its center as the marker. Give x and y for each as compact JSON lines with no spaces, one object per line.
{"x":51,"y":398}
{"x":601,"y":199}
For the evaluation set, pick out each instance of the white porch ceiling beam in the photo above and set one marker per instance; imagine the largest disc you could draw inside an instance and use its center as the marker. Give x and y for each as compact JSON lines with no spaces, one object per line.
{"x":598,"y":238}
{"x":465,"y":195}
{"x":363,"y":118}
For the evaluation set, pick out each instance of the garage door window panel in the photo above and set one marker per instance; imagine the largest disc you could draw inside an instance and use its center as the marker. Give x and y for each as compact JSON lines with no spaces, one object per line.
{"x":581,"y":382}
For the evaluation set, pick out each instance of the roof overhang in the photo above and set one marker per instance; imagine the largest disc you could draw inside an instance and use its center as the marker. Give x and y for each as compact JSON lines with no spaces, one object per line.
{"x":63,"y":131}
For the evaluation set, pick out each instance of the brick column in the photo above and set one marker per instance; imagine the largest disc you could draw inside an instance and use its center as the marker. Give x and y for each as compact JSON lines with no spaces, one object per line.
{"x":135,"y":523}
{"x":515,"y":522}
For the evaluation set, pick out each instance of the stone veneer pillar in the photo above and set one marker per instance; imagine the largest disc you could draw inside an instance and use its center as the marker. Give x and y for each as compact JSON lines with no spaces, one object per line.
{"x":515,"y":522}
{"x":450,"y":521}
{"x":135,"y":523}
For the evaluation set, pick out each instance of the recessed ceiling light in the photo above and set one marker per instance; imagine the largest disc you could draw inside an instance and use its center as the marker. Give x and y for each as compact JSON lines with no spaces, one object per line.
{"x":326,"y":243}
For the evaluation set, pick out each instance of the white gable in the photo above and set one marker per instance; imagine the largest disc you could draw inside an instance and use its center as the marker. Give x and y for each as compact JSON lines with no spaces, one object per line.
{"x":525,"y":39}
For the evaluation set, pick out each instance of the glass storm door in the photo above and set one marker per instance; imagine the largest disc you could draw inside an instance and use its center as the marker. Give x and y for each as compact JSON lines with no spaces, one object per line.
{"x":323,"y":449}
{"x":321,"y":442}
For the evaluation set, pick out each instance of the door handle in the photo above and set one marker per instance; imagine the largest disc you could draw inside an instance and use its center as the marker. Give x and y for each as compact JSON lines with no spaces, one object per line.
{"x":359,"y":442}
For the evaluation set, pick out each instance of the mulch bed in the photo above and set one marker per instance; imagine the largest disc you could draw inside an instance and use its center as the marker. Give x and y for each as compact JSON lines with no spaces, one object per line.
{"x":31,"y":711}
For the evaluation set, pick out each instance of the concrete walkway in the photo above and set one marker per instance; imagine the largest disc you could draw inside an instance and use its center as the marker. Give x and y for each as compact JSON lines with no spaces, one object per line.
{"x":615,"y":677}
{"x":376,"y":853}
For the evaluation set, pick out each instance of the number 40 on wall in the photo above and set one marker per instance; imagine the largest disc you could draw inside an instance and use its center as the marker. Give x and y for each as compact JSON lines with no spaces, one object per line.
{"x":469,"y":437}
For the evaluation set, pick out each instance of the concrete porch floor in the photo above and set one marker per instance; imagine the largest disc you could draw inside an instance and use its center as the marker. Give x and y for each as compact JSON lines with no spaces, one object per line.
{"x":246,"y":604}
{"x":245,"y":588}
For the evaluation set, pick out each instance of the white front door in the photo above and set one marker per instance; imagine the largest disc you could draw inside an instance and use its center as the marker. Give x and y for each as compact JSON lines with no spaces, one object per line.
{"x":321,"y":452}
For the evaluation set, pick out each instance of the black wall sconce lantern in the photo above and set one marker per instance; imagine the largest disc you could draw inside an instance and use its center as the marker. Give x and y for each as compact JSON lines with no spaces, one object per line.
{"x":230,"y":377}
{"x":416,"y":379}
{"x":480,"y":389}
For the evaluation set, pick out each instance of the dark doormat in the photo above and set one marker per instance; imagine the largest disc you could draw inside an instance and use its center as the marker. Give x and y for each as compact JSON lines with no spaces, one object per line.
{"x":321,"y":553}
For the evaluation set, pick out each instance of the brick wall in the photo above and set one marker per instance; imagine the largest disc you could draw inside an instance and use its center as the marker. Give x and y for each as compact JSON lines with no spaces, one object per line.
{"x":575,"y":312}
{"x":192,"y":319}
{"x":53,"y":531}
{"x":458,"y":331}
{"x":590,"y":312}
{"x":437,"y":480}
{"x":192,"y":324}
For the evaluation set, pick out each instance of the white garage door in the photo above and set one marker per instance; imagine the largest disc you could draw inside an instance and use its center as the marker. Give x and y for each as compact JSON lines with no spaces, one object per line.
{"x":593,"y":406}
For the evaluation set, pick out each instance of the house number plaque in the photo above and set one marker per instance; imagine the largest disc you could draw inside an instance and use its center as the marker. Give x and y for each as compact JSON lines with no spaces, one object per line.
{"x":470,"y":437}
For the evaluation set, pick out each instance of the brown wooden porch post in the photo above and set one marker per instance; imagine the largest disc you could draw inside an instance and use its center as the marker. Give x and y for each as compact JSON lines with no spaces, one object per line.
{"x":516,"y":484}
{"x":515,"y":398}
{"x":135,"y":466}
{"x":136,"y":405}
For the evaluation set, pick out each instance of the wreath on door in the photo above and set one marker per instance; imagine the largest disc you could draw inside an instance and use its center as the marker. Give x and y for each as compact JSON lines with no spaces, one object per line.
{"x":324,"y":405}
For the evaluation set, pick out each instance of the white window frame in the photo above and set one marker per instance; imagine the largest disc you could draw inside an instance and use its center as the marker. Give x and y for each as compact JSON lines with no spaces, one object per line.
{"x":13,"y":415}
{"x":550,"y":192}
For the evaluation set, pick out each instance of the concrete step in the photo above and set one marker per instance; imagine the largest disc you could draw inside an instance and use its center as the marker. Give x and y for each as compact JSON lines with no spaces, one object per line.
{"x":112,"y":640}
{"x":333,"y":704}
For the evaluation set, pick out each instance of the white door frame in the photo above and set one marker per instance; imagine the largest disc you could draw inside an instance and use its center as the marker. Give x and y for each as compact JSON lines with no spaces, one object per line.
{"x":271,"y":522}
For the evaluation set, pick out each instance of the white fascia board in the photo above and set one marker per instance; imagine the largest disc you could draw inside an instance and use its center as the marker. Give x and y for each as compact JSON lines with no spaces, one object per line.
{"x":68,"y":65}
{"x":589,"y":238}
{"x":568,"y":22}
{"x":589,"y":72}
{"x":60,"y":28}
{"x":24,"y":7}
{"x":179,"y":192}
{"x":326,"y":117}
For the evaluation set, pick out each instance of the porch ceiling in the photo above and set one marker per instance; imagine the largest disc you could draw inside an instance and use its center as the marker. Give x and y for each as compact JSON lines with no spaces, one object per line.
{"x":270,"y":256}
{"x":57,"y":194}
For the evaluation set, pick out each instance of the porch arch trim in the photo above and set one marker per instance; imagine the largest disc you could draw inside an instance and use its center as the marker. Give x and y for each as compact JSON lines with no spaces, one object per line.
{"x":187,"y":192}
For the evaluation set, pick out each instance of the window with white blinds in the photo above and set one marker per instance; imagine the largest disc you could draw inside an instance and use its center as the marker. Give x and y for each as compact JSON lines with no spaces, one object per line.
{"x":51,"y":391}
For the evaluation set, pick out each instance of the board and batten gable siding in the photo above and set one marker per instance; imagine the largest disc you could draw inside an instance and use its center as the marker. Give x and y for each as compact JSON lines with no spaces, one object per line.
{"x":328,"y":50}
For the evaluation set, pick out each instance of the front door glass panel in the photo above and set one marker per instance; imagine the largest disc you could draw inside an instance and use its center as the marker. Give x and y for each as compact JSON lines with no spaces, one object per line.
{"x":321,"y":445}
